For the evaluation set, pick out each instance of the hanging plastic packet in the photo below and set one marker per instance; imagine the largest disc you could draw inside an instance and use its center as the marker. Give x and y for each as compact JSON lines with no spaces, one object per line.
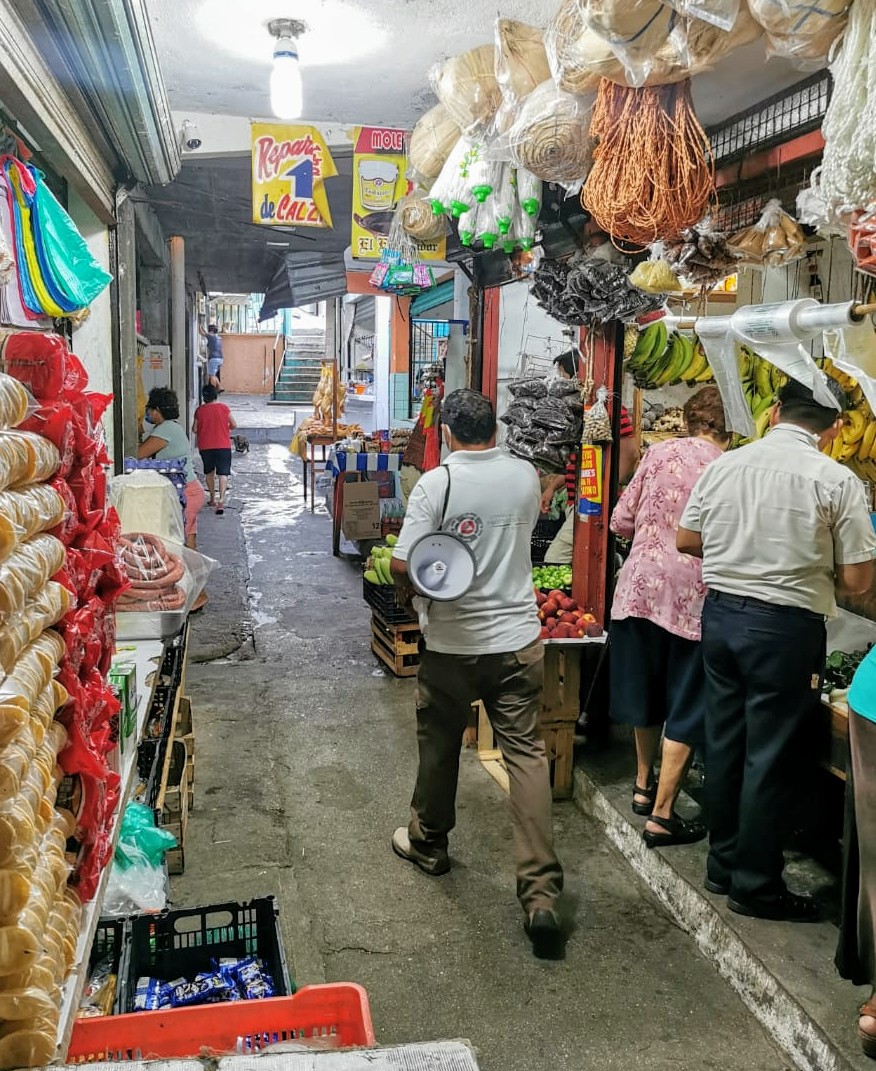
{"x":720,"y":346}
{"x":468,"y":222}
{"x":450,"y":194}
{"x":487,"y":228}
{"x":483,"y":174}
{"x":853,"y":350}
{"x":528,"y":192}
{"x":506,"y":197}
{"x":597,"y":423}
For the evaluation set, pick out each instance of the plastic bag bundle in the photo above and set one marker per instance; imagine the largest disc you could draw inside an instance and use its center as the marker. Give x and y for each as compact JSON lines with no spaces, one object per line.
{"x":542,"y":422}
{"x":635,"y":30}
{"x":696,"y":46}
{"x":587,"y":291}
{"x":521,"y":66}
{"x":720,"y":13}
{"x":13,"y":401}
{"x":775,"y":239}
{"x":578,"y":57}
{"x":655,"y":277}
{"x":25,"y":458}
{"x":862,"y":241}
{"x":550,"y":136}
{"x":450,"y":194}
{"x":799,"y":29}
{"x":26,"y":512}
{"x":701,"y":256}
{"x":147,"y":502}
{"x":420,"y":222}
{"x":466,"y":85}
{"x":430,"y":143}
{"x":27,"y":569}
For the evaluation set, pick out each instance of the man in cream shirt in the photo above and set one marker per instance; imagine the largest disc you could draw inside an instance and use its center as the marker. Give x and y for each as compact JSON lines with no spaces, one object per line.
{"x":484,"y":645}
{"x":780,"y":527}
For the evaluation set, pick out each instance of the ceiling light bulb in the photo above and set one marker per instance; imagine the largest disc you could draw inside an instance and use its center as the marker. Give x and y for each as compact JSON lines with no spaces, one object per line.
{"x":286,"y":92}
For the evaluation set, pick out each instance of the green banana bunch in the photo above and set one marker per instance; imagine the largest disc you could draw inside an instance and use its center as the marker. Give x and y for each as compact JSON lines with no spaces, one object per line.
{"x":650,"y":345}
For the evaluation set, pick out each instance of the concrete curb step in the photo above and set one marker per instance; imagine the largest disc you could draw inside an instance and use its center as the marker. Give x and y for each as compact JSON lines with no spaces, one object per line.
{"x":783,"y":973}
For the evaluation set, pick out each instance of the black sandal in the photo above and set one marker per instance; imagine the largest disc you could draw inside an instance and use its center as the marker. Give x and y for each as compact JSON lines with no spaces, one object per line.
{"x":678,"y":831}
{"x":650,"y":794}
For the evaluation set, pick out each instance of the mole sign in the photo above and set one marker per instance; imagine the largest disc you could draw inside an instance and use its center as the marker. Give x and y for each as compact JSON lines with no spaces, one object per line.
{"x":289,"y":167}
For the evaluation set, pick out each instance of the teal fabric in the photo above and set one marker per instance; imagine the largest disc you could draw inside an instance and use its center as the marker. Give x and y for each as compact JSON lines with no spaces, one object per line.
{"x":862,"y":693}
{"x":177,"y":445}
{"x":432,"y":298}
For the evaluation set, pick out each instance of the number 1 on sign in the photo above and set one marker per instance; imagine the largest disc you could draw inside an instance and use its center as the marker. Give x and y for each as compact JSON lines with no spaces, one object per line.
{"x":301,"y":177}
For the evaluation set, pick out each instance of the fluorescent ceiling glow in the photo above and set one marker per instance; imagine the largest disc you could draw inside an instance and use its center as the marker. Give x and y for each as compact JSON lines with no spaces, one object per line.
{"x":337,"y":32}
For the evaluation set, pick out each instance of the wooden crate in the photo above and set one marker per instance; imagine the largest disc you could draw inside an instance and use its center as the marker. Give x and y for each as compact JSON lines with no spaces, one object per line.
{"x":559,"y":739}
{"x":561,"y":697}
{"x":397,"y":646}
{"x":173,"y":804}
{"x":185,"y":731}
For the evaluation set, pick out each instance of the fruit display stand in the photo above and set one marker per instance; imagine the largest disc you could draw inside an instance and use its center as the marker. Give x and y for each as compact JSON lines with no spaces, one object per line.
{"x":147,"y":655}
{"x":560,"y":708}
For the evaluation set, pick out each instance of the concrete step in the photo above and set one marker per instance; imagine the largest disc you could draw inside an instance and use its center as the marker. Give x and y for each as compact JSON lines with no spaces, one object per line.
{"x":783,"y":972}
{"x":293,"y":397}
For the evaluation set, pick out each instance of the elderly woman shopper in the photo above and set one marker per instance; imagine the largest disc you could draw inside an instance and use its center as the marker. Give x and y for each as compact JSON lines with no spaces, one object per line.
{"x":168,"y":441}
{"x":856,"y":951}
{"x":656,"y":668}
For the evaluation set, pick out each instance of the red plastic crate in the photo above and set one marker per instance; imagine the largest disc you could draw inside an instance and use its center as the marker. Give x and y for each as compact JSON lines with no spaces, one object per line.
{"x":339,"y":1010}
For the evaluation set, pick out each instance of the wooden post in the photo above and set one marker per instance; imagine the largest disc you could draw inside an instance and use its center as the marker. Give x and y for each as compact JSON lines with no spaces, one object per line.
{"x":590,"y":550}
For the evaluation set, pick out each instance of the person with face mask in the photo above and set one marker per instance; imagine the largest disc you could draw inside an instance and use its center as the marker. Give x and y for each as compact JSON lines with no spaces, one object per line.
{"x":484,"y":645}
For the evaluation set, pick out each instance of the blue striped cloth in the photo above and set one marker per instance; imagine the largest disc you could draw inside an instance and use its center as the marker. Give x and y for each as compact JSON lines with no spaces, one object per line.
{"x":341,"y":461}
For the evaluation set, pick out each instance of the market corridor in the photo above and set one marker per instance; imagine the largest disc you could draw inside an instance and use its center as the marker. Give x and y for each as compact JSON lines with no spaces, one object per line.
{"x":306,"y":755}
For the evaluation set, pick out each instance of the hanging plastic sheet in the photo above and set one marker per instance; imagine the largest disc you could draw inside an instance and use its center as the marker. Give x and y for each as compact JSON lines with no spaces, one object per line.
{"x":720,"y":346}
{"x":853,"y":350}
{"x":13,"y":311}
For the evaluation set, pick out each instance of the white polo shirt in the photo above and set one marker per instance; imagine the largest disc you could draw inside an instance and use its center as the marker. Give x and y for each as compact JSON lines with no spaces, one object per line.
{"x":494,"y":505}
{"x":776,"y":517}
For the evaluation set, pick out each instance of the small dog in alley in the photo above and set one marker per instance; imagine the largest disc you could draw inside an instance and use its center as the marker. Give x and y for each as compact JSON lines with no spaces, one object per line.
{"x":241,"y":444}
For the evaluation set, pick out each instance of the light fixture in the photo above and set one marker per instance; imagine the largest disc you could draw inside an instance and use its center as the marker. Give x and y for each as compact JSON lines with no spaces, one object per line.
{"x":286,"y":94}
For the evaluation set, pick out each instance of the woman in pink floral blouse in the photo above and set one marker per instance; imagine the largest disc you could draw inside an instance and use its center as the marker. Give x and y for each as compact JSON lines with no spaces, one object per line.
{"x":656,"y":668}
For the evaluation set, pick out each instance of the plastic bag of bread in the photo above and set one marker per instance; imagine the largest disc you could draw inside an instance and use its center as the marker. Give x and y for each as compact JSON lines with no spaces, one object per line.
{"x":26,"y":458}
{"x":27,"y":569}
{"x":521,"y":66}
{"x":776,"y":239}
{"x":27,"y":511}
{"x":466,"y":85}
{"x":14,"y":401}
{"x":429,"y":145}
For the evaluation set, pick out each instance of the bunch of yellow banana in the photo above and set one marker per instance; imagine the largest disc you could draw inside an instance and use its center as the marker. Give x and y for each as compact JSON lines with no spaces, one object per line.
{"x":659,"y":359}
{"x":760,"y":381}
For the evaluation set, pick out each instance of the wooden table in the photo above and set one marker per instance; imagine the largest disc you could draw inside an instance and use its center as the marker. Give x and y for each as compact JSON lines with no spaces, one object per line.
{"x":314,"y":443}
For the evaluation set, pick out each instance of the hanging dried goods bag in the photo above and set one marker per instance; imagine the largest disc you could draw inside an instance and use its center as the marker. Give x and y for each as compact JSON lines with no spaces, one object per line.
{"x":578,"y":56}
{"x":635,"y":30}
{"x":430,"y":143}
{"x":420,"y":222}
{"x":776,"y":239}
{"x":800,"y":29}
{"x":696,"y":46}
{"x":720,"y":13}
{"x":653,"y":169}
{"x":521,"y":66}
{"x":466,"y":85}
{"x":550,"y":136}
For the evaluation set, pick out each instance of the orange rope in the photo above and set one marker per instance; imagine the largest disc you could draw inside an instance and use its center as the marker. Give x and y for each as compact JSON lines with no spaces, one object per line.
{"x":653,"y":170}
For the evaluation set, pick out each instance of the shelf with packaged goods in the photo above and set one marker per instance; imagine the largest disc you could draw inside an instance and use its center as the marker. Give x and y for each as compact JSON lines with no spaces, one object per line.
{"x":147,"y":654}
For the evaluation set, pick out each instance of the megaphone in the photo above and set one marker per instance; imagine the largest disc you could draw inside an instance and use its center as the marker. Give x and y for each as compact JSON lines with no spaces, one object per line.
{"x":441,"y":567}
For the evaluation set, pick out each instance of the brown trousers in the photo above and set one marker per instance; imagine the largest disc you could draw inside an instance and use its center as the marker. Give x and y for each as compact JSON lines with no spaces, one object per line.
{"x":510,"y":687}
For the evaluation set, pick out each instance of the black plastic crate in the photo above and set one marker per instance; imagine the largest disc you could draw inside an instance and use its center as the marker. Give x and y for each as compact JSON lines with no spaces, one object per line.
{"x":182,"y":943}
{"x":382,"y":598}
{"x":111,"y":939}
{"x":543,"y":535}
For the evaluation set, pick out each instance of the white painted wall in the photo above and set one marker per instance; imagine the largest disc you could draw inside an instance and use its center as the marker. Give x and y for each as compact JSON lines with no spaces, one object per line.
{"x":382,"y":321}
{"x":92,"y":339}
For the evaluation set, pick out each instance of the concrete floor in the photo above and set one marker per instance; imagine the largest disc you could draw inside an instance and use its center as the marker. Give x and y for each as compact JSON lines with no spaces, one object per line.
{"x":305,"y":758}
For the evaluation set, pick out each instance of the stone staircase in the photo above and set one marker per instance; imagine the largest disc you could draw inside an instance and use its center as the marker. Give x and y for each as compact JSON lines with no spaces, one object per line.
{"x":298,"y":378}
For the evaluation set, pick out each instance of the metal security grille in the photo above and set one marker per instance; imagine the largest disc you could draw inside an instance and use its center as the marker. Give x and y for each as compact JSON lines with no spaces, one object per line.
{"x":796,"y":110}
{"x":428,"y":353}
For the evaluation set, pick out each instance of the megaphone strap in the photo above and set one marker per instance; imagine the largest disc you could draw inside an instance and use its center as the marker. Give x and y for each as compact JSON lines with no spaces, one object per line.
{"x":446,"y":498}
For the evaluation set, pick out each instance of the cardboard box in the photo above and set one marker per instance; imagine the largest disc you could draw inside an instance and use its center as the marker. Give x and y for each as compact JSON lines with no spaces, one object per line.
{"x":361,"y":517}
{"x":123,"y":679}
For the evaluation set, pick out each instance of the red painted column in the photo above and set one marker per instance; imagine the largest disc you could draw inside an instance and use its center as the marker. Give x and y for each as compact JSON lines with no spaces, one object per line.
{"x":490,"y":344}
{"x":590,"y":565}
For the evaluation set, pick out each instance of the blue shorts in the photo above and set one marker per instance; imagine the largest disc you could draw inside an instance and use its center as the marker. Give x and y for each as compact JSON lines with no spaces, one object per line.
{"x":214,"y":366}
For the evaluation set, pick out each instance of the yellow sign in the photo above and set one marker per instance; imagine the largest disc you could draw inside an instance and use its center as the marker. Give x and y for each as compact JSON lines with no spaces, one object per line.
{"x":379,"y":182}
{"x":590,"y":481}
{"x":289,"y":167}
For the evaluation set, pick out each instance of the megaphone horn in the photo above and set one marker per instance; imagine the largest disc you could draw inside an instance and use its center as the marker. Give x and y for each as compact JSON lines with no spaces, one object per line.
{"x":441,"y":567}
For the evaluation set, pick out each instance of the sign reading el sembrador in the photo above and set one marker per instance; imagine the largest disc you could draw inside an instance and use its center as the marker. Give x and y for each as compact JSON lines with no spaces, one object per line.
{"x":289,"y":167}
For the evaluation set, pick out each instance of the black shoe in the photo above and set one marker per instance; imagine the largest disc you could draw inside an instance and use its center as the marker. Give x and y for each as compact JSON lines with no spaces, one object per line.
{"x":678,"y":830}
{"x":433,"y":865}
{"x":718,"y":888}
{"x":650,"y":794}
{"x":543,"y":929}
{"x":789,"y":907}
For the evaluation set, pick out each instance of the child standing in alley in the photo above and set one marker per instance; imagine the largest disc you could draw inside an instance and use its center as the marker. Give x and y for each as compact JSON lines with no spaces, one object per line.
{"x":212,"y":427}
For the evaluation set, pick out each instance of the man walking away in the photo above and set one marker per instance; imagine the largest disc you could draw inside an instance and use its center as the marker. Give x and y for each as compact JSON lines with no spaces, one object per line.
{"x":780,"y":527}
{"x":484,"y":646}
{"x":214,"y":356}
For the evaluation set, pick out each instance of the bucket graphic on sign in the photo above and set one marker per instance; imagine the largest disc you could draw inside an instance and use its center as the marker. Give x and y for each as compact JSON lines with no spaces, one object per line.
{"x":377,"y":179}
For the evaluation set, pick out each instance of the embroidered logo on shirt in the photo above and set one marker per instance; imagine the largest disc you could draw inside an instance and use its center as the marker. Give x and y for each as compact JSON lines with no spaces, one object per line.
{"x":468,"y":526}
